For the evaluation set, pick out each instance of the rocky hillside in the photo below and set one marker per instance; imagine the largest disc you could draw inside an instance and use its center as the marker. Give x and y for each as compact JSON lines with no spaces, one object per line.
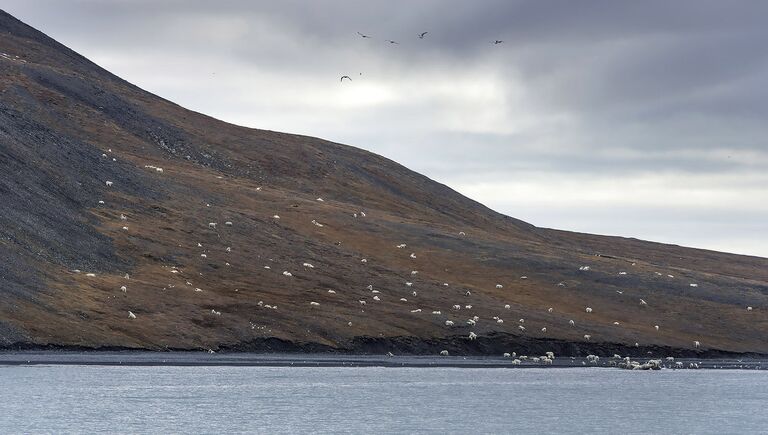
{"x":127,"y":221}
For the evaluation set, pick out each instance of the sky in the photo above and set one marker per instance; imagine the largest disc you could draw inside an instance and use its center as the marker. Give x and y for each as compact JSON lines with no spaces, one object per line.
{"x":643,"y":119}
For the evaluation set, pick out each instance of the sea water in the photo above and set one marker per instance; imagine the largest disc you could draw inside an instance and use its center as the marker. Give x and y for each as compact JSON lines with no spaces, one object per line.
{"x":375,"y":400}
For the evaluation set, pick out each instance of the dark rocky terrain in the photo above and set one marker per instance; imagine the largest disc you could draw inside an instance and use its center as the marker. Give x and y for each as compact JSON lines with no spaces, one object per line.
{"x":67,"y":127}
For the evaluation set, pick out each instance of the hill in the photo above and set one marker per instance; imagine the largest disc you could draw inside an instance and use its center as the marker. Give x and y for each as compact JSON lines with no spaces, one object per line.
{"x":104,"y":186}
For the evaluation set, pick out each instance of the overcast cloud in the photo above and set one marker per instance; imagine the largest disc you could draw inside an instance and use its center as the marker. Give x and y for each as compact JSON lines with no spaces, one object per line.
{"x":637,"y":118}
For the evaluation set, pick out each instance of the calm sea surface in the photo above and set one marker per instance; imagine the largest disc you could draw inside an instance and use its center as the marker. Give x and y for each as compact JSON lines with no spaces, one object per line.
{"x":89,"y":399}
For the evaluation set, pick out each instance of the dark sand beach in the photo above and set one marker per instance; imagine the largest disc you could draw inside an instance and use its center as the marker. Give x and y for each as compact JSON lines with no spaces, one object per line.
{"x":326,"y":360}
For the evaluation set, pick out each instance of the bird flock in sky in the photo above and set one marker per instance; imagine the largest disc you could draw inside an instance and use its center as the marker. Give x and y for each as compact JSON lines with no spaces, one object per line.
{"x":421,"y":35}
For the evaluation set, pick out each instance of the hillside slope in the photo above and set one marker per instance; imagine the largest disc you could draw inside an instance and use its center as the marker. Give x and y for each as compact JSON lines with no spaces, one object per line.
{"x":84,"y":211}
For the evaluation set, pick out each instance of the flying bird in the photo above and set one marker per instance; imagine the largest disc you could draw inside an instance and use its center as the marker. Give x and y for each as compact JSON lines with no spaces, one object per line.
{"x":364,"y":36}
{"x":392,"y":42}
{"x":421,"y":36}
{"x":497,"y":42}
{"x":345,"y":77}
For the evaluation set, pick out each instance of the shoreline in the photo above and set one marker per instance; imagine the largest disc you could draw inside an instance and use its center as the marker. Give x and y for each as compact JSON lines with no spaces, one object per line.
{"x":489,"y":346}
{"x":205,"y":359}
